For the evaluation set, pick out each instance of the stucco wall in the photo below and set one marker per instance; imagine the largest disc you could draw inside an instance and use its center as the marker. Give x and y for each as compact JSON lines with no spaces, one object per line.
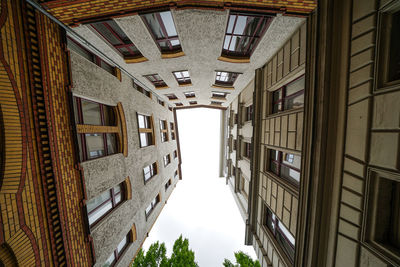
{"x":90,"y":81}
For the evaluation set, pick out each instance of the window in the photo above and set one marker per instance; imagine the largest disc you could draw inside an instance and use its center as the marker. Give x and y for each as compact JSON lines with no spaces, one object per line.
{"x":156,"y":80}
{"x":101,"y":205}
{"x":176,"y":174}
{"x":289,"y":96}
{"x":95,"y":137}
{"x":236,"y":118}
{"x":79,"y":49}
{"x":285,"y":165}
{"x":389,"y":67}
{"x":150,"y":171}
{"x":219,"y":95}
{"x":167,"y":160}
{"x":170,"y":108}
{"x":110,"y":31}
{"x":247,"y":150}
{"x":190,"y":94}
{"x":234,"y":144}
{"x":117,"y":253}
{"x":182,"y":77}
{"x":152,"y":206}
{"x":282,"y":235}
{"x":162,"y":28}
{"x":142,"y":90}
{"x":216,"y":103}
{"x":146,"y":131}
{"x":383,"y":214}
{"x":244,"y":186}
{"x":162,"y":103}
{"x":225,"y":78}
{"x":175,"y":154}
{"x":171,"y":96}
{"x":167,"y":185}
{"x":243,"y":33}
{"x":233,"y":171}
{"x":179,"y":104}
{"x":164,"y":130}
{"x":172,"y":127}
{"x":193,"y":102}
{"x":249,"y":113}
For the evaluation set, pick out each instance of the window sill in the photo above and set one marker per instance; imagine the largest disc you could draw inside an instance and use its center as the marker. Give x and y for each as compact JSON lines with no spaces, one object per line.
{"x":285,"y":112}
{"x":162,"y":87}
{"x":223,"y":87}
{"x":172,"y":55}
{"x":293,"y":189}
{"x":130,"y":60}
{"x":185,"y":84}
{"x":234,"y":60}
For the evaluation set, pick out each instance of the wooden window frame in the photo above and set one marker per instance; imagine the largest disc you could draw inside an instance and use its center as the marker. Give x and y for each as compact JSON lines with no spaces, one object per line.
{"x":142,"y":90}
{"x":275,"y":231}
{"x":167,"y":160}
{"x":153,"y":206}
{"x":168,"y":184}
{"x":190,"y":94}
{"x":232,"y":76}
{"x":123,"y":43}
{"x":285,"y":97}
{"x":164,"y":132}
{"x":254,"y":37}
{"x":171,"y":96}
{"x":153,"y":171}
{"x":172,"y":127}
{"x":184,"y":81}
{"x":118,"y":256}
{"x":114,"y":205}
{"x":162,"y":103}
{"x":158,"y":82}
{"x":167,"y":38}
{"x":219,"y":95}
{"x":83,"y":129}
{"x":279,"y":163}
{"x":146,"y":130}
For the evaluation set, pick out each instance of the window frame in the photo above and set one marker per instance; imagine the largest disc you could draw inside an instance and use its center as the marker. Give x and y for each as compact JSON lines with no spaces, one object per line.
{"x":156,"y":200}
{"x":275,"y":231}
{"x":114,"y":204}
{"x":182,"y":81}
{"x":190,"y":94}
{"x":247,"y":150}
{"x":167,"y":160}
{"x":82,"y":135}
{"x":278,"y":165}
{"x":219,"y":95}
{"x":158,"y":81}
{"x":164,"y":131}
{"x":248,"y":52}
{"x":286,"y":97}
{"x":172,"y":127}
{"x":122,"y":44}
{"x":232,"y":76}
{"x":166,"y":39}
{"x":249,"y":113}
{"x":146,"y":130}
{"x":153,"y":170}
{"x":168,"y":184}
{"x":192,"y":103}
{"x":216,"y":103}
{"x":142,"y":90}
{"x":118,"y":254}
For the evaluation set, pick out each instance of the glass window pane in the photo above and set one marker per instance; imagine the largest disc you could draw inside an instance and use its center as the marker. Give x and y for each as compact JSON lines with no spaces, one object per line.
{"x":111,"y":143}
{"x":143,"y":140}
{"x":96,"y":214}
{"x":121,"y":34}
{"x":230,"y":23}
{"x":289,"y":173}
{"x":240,"y":24}
{"x":168,"y":23}
{"x":286,"y":232}
{"x":106,"y":33}
{"x":78,"y":49}
{"x":117,"y":189}
{"x":110,"y":260}
{"x":394,"y":56}
{"x":109,"y":116}
{"x":294,"y":102}
{"x":118,"y":198}
{"x":226,"y":42}
{"x":154,"y":25}
{"x":94,"y":145}
{"x":295,"y":86}
{"x":178,"y":74}
{"x":121,"y":245}
{"x":107,"y":67}
{"x":97,"y":201}
{"x":148,"y":209}
{"x":175,"y":42}
{"x":185,"y":74}
{"x":91,"y":112}
{"x":141,"y":121}
{"x":232,"y":46}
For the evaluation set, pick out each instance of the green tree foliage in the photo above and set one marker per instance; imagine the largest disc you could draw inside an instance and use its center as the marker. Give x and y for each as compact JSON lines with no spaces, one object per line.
{"x":156,"y":256}
{"x":242,"y":260}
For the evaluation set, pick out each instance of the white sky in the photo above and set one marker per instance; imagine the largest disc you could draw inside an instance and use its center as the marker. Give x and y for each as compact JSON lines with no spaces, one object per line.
{"x":201,"y":207}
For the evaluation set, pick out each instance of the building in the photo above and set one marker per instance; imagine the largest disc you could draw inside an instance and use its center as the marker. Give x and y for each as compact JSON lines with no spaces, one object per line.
{"x":324,"y":187}
{"x":89,"y":137}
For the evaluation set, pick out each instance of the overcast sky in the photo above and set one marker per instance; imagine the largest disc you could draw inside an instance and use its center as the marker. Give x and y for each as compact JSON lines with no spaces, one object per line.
{"x":201,"y":207}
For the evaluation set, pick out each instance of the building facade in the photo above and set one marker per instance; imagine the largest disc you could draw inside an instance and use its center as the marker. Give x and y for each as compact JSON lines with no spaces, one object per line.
{"x":324,"y":166}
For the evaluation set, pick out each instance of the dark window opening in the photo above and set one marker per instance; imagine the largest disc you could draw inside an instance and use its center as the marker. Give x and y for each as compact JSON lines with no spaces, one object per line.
{"x":156,"y":80}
